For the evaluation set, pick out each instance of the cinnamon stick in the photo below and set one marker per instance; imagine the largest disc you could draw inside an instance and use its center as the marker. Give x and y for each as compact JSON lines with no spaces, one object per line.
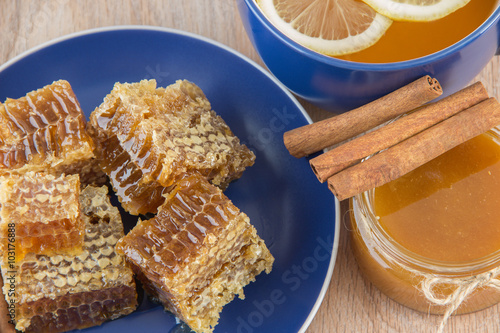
{"x":415,"y":151}
{"x":311,"y":138}
{"x":353,"y":151}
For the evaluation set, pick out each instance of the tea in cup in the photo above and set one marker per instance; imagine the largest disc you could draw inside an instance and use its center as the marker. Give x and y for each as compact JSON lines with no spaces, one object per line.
{"x":406,"y":40}
{"x":343,"y":84}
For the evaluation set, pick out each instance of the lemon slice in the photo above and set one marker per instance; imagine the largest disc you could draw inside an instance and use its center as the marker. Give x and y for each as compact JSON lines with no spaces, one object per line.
{"x":331,"y":27}
{"x":416,"y":10}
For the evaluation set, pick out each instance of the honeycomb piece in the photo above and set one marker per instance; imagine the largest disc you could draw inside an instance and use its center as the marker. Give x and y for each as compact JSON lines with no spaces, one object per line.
{"x":40,"y":213}
{"x":160,"y":134}
{"x":135,"y":197}
{"x":6,"y":311}
{"x":46,"y":131}
{"x":197,"y":253}
{"x":63,"y":292}
{"x":78,"y":310}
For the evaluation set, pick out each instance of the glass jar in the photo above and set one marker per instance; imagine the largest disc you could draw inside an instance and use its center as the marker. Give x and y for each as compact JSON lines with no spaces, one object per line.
{"x":423,"y":284}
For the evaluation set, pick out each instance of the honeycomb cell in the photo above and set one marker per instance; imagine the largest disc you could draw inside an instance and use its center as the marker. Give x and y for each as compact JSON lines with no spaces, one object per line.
{"x":46,"y":131}
{"x":40,"y":213}
{"x":57,"y":293}
{"x":148,"y":137}
{"x":197,"y":253}
{"x":78,"y":310}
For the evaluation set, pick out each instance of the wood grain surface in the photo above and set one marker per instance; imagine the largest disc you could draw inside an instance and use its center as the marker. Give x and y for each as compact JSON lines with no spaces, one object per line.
{"x":351,"y":303}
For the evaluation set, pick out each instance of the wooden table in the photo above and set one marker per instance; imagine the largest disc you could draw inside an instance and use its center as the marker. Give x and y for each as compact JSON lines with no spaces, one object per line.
{"x":351,"y":304}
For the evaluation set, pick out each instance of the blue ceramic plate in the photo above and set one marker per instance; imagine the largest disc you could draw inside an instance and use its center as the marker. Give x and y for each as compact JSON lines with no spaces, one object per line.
{"x":296,"y":215}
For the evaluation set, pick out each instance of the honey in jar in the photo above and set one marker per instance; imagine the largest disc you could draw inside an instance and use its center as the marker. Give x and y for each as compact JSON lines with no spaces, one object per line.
{"x":431,"y":239}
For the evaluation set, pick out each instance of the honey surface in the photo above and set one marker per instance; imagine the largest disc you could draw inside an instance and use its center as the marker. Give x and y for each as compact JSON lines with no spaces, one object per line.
{"x":66,"y":291}
{"x":448,"y":209}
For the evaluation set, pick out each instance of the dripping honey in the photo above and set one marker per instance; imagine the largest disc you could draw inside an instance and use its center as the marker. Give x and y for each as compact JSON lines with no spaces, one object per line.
{"x":410,"y":40}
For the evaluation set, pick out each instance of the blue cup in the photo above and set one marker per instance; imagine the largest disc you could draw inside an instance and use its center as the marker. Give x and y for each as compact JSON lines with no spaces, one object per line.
{"x":338,"y":85}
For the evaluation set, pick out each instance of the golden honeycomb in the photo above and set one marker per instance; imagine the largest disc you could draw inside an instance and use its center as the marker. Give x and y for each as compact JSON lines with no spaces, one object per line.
{"x":73,"y":291}
{"x":125,"y":177}
{"x":45,"y":210}
{"x":197,"y":253}
{"x":157,"y":135}
{"x":5,"y":313}
{"x":79,"y":310}
{"x":166,"y":152}
{"x":46,"y":131}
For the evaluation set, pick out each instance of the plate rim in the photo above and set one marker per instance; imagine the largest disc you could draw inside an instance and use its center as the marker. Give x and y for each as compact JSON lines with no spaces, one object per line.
{"x":208,"y":40}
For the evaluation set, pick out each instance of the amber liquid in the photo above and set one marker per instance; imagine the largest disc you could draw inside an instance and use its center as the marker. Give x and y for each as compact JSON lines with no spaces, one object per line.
{"x":410,"y":40}
{"x":449,"y":208}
